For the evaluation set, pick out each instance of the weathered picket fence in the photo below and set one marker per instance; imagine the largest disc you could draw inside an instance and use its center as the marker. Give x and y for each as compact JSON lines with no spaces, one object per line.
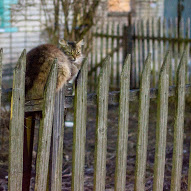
{"x":157,"y":36}
{"x":50,"y":116}
{"x":138,"y":38}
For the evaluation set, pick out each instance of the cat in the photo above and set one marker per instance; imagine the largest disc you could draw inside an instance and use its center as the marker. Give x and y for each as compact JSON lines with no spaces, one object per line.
{"x":39,"y":61}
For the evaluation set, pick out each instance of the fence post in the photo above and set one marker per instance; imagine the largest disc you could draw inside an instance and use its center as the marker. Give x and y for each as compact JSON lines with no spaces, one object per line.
{"x":17,"y":126}
{"x":79,"y":137}
{"x":101,"y":127}
{"x":45,"y":131}
{"x":189,"y":172}
{"x":1,"y":60}
{"x":128,"y":45}
{"x":121,"y":158}
{"x":141,"y":150}
{"x":127,"y":41}
{"x":161,"y":128}
{"x":179,"y":126}
{"x":57,"y":142}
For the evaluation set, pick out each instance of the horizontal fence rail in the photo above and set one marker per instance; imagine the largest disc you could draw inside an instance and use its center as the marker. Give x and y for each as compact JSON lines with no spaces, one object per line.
{"x":36,"y":105}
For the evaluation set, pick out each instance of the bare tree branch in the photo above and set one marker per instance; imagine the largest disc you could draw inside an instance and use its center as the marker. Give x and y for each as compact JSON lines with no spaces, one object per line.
{"x":78,"y":15}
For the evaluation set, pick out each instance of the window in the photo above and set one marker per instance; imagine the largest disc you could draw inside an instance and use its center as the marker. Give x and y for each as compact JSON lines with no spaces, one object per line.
{"x":119,"y":6}
{"x":5,"y":16}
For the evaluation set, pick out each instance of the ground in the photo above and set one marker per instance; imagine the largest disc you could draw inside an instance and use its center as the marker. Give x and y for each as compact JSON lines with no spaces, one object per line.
{"x":111,"y":149}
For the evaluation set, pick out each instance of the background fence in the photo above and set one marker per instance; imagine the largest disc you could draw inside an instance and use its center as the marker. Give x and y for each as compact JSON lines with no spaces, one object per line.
{"x":138,"y":38}
{"x":102,"y":99}
{"x":114,"y":38}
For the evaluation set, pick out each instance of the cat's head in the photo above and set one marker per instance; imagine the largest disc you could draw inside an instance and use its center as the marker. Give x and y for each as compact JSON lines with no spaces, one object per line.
{"x":73,"y":50}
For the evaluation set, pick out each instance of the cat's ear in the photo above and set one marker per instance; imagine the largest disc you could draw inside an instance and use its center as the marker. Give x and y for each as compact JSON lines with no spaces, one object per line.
{"x":63,"y":42}
{"x":80,"y":43}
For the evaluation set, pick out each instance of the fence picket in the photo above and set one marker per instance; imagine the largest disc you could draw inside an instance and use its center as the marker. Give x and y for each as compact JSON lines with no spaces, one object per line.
{"x":16,"y":129}
{"x":170,"y":47}
{"x":170,"y":69}
{"x":136,"y":56}
{"x":1,"y":65}
{"x":112,"y":57}
{"x":189,"y":172}
{"x":154,"y":51}
{"x":118,"y":58}
{"x":121,"y":158}
{"x":161,"y":128}
{"x":147,"y":29}
{"x":1,"y":69}
{"x":101,"y":43}
{"x":182,"y":37}
{"x":101,"y":127}
{"x":91,"y":66}
{"x":176,"y":50}
{"x":96,"y":59}
{"x":57,"y":142}
{"x":179,"y":126}
{"x":139,"y":49}
{"x":187,"y":49}
{"x":107,"y":39}
{"x":159,"y":29}
{"x":143,"y":47}
{"x":165,"y":29}
{"x":144,"y":102}
{"x":79,"y":133}
{"x":45,"y":131}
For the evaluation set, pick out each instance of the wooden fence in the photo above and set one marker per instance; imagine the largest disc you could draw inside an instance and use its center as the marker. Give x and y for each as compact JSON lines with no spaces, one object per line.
{"x":53,"y":113}
{"x":138,"y":38}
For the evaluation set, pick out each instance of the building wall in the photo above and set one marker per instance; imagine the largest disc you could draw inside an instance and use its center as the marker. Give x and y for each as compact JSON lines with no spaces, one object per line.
{"x":147,"y":8}
{"x":28,"y":25}
{"x":28,"y":20}
{"x":170,"y":9}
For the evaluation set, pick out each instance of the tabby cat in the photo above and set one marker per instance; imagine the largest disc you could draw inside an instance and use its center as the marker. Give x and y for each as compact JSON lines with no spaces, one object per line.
{"x":39,"y":61}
